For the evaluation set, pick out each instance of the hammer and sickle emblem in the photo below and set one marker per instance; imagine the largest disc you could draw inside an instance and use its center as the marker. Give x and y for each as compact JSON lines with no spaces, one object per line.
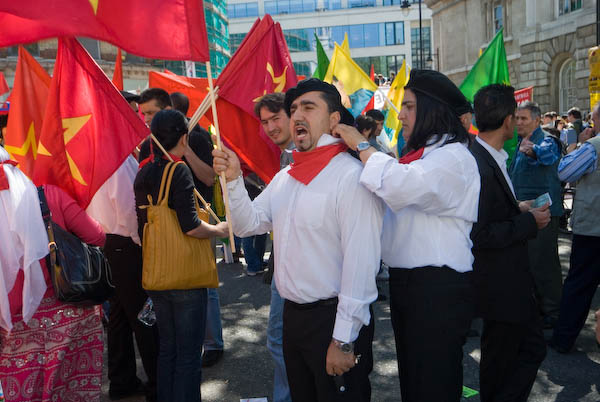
{"x":279,"y":81}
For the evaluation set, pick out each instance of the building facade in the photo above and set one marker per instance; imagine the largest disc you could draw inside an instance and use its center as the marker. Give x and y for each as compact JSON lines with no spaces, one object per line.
{"x":380,"y":32}
{"x":135,"y":68}
{"x":546,"y":44}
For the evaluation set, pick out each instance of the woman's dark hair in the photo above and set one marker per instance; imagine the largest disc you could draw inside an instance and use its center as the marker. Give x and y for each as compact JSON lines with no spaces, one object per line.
{"x":365,"y":123}
{"x":168,"y":126}
{"x":434,"y":119}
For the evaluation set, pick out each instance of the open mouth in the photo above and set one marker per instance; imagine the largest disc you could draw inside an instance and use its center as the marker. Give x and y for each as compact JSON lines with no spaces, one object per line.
{"x":300,"y":132}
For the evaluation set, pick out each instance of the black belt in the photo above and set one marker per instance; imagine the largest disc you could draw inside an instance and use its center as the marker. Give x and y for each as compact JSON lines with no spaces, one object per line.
{"x":307,"y":306}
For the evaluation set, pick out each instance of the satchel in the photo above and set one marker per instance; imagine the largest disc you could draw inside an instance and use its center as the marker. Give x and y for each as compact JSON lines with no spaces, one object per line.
{"x":172,"y":259}
{"x":79,"y":272}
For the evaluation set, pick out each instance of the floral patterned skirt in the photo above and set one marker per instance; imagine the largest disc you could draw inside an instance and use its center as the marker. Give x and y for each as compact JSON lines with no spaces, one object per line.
{"x":56,"y":356}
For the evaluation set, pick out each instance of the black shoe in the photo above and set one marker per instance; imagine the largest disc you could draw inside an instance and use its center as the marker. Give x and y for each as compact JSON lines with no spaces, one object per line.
{"x":116,"y":394}
{"x":211,"y":357}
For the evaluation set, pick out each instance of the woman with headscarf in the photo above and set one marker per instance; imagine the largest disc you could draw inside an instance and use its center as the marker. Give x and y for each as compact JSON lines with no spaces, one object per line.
{"x":180,"y":313}
{"x":49,"y":350}
{"x":432,"y":197}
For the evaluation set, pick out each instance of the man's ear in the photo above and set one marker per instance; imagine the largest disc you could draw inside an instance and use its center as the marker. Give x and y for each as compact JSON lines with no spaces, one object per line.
{"x":334,"y":119}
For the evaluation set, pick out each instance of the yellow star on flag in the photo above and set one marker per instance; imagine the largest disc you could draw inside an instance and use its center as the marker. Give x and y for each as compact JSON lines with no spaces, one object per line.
{"x":30,"y":143}
{"x":72,"y":126}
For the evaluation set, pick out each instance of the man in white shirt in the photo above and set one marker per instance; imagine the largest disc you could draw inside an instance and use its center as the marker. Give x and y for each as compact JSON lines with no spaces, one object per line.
{"x":512,"y":343}
{"x":326,"y":230}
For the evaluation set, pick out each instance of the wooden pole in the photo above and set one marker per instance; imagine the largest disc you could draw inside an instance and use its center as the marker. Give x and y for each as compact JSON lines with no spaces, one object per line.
{"x":201,"y":110}
{"x":204,"y":203}
{"x":220,"y":147}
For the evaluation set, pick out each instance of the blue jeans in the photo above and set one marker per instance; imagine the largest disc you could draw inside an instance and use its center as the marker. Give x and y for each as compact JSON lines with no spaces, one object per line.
{"x":254,"y":250}
{"x":181,"y":321}
{"x":281,"y":389}
{"x":214,"y":329}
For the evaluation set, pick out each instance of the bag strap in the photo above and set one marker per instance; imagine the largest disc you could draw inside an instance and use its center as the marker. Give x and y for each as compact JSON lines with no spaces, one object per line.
{"x":171,"y":170}
{"x":47,"y":217}
{"x":163,"y":180}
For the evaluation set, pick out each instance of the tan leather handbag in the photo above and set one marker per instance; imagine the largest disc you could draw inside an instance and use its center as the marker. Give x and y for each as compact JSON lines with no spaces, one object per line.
{"x":172,"y":259}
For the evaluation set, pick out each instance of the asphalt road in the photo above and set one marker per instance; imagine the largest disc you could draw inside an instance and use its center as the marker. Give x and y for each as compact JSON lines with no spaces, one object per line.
{"x":246,"y":370}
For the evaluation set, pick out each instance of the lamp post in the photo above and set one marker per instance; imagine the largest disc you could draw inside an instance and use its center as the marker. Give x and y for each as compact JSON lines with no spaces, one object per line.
{"x":406,"y":5}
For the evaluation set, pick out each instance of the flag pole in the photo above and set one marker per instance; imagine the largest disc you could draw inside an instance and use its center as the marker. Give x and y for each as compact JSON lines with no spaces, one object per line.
{"x":219,"y":147}
{"x":204,"y":203}
{"x":388,"y":100}
{"x":202,"y":109}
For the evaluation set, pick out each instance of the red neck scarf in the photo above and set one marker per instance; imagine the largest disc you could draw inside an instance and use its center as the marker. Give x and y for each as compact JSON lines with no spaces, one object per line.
{"x":412,"y":156}
{"x":151,"y":157}
{"x":307,"y":165}
{"x":3,"y":179}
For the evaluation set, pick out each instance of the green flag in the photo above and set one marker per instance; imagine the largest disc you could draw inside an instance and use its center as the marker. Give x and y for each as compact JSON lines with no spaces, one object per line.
{"x":490,"y":68}
{"x":322,"y":61}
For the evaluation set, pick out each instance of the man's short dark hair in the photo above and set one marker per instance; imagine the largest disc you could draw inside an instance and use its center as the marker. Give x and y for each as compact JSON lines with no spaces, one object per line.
{"x":365,"y":123}
{"x":375,"y":114}
{"x":493,"y":103}
{"x":161,"y":97}
{"x":533,"y":108}
{"x":274,"y":102}
{"x":575,"y":112}
{"x":180,"y":102}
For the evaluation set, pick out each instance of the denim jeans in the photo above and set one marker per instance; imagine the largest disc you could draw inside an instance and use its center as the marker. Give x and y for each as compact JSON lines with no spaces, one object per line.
{"x":181,"y":321}
{"x":281,"y":389}
{"x":214,"y":329}
{"x":254,"y":250}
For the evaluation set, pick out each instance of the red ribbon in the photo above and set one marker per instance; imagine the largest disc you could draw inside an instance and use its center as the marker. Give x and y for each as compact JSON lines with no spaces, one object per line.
{"x":307,"y":165}
{"x":3,"y":179}
{"x":412,"y":156}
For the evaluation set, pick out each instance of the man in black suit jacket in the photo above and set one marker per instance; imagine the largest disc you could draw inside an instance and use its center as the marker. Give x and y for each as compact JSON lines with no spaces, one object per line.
{"x":512,"y":342}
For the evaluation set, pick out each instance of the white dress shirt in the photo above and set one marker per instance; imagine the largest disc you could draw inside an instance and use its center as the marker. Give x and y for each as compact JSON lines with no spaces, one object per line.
{"x":432,"y":205}
{"x":326,"y":237}
{"x":113,"y":205}
{"x":500,"y":157}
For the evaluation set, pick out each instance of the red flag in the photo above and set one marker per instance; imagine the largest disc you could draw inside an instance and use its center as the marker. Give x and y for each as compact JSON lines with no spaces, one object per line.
{"x":371,"y":104}
{"x":194,"y":88}
{"x":118,"y":74}
{"x":158,"y":29}
{"x":261,"y":65}
{"x":27,"y":105}
{"x":89,"y":129}
{"x":3,"y":84}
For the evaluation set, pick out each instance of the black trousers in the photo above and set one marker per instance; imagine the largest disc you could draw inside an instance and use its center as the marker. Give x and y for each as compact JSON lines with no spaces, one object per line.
{"x":125,"y":258}
{"x":431,"y":311}
{"x":580,"y":285}
{"x":307,"y":332}
{"x":511,"y":354}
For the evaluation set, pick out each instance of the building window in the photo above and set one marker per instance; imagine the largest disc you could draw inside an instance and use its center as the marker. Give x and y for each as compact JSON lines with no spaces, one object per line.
{"x":394,"y":33}
{"x":567,"y":6}
{"x":498,"y":18}
{"x":235,"y":40}
{"x":567,"y":86}
{"x":361,"y":3}
{"x":415,"y":45}
{"x":384,"y":65}
{"x":303,"y":68}
{"x":242,"y":10}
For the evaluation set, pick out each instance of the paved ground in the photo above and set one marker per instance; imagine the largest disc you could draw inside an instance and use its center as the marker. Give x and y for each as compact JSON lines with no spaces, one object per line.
{"x":246,"y":369}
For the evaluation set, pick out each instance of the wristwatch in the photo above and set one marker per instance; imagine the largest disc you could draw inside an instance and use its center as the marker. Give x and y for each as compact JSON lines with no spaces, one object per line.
{"x":362,"y":146}
{"x":345,"y":347}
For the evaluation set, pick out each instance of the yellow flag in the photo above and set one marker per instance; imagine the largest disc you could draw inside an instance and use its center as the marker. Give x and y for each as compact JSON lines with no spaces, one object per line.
{"x":353,"y":84}
{"x":396,"y":94}
{"x":345,"y":44}
{"x":594,"y":78}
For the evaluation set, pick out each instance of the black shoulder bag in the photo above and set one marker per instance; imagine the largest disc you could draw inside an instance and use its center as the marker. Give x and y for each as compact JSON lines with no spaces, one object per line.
{"x":80,"y":272}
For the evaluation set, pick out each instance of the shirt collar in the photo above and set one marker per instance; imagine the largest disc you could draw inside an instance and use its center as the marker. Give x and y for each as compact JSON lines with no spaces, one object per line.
{"x":327,"y":139}
{"x":499,"y":156}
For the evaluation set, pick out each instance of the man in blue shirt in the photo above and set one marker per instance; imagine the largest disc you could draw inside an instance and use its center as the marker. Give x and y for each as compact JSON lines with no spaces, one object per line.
{"x":581,"y":166}
{"x":533,"y":172}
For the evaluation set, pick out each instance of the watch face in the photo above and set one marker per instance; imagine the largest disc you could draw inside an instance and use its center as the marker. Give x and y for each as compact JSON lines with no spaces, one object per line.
{"x":362,"y":146}
{"x":346,"y":348}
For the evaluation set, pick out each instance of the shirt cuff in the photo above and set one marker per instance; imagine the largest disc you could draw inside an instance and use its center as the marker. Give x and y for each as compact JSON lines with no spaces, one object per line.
{"x":371,"y":176}
{"x":236,"y":188}
{"x":342,"y":331}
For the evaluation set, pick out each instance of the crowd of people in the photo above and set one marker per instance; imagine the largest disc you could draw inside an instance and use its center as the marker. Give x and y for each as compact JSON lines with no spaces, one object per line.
{"x":465,"y":229}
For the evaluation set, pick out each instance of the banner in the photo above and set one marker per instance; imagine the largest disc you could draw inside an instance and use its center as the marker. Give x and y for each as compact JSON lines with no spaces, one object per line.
{"x":524,"y":95}
{"x":594,"y":80}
